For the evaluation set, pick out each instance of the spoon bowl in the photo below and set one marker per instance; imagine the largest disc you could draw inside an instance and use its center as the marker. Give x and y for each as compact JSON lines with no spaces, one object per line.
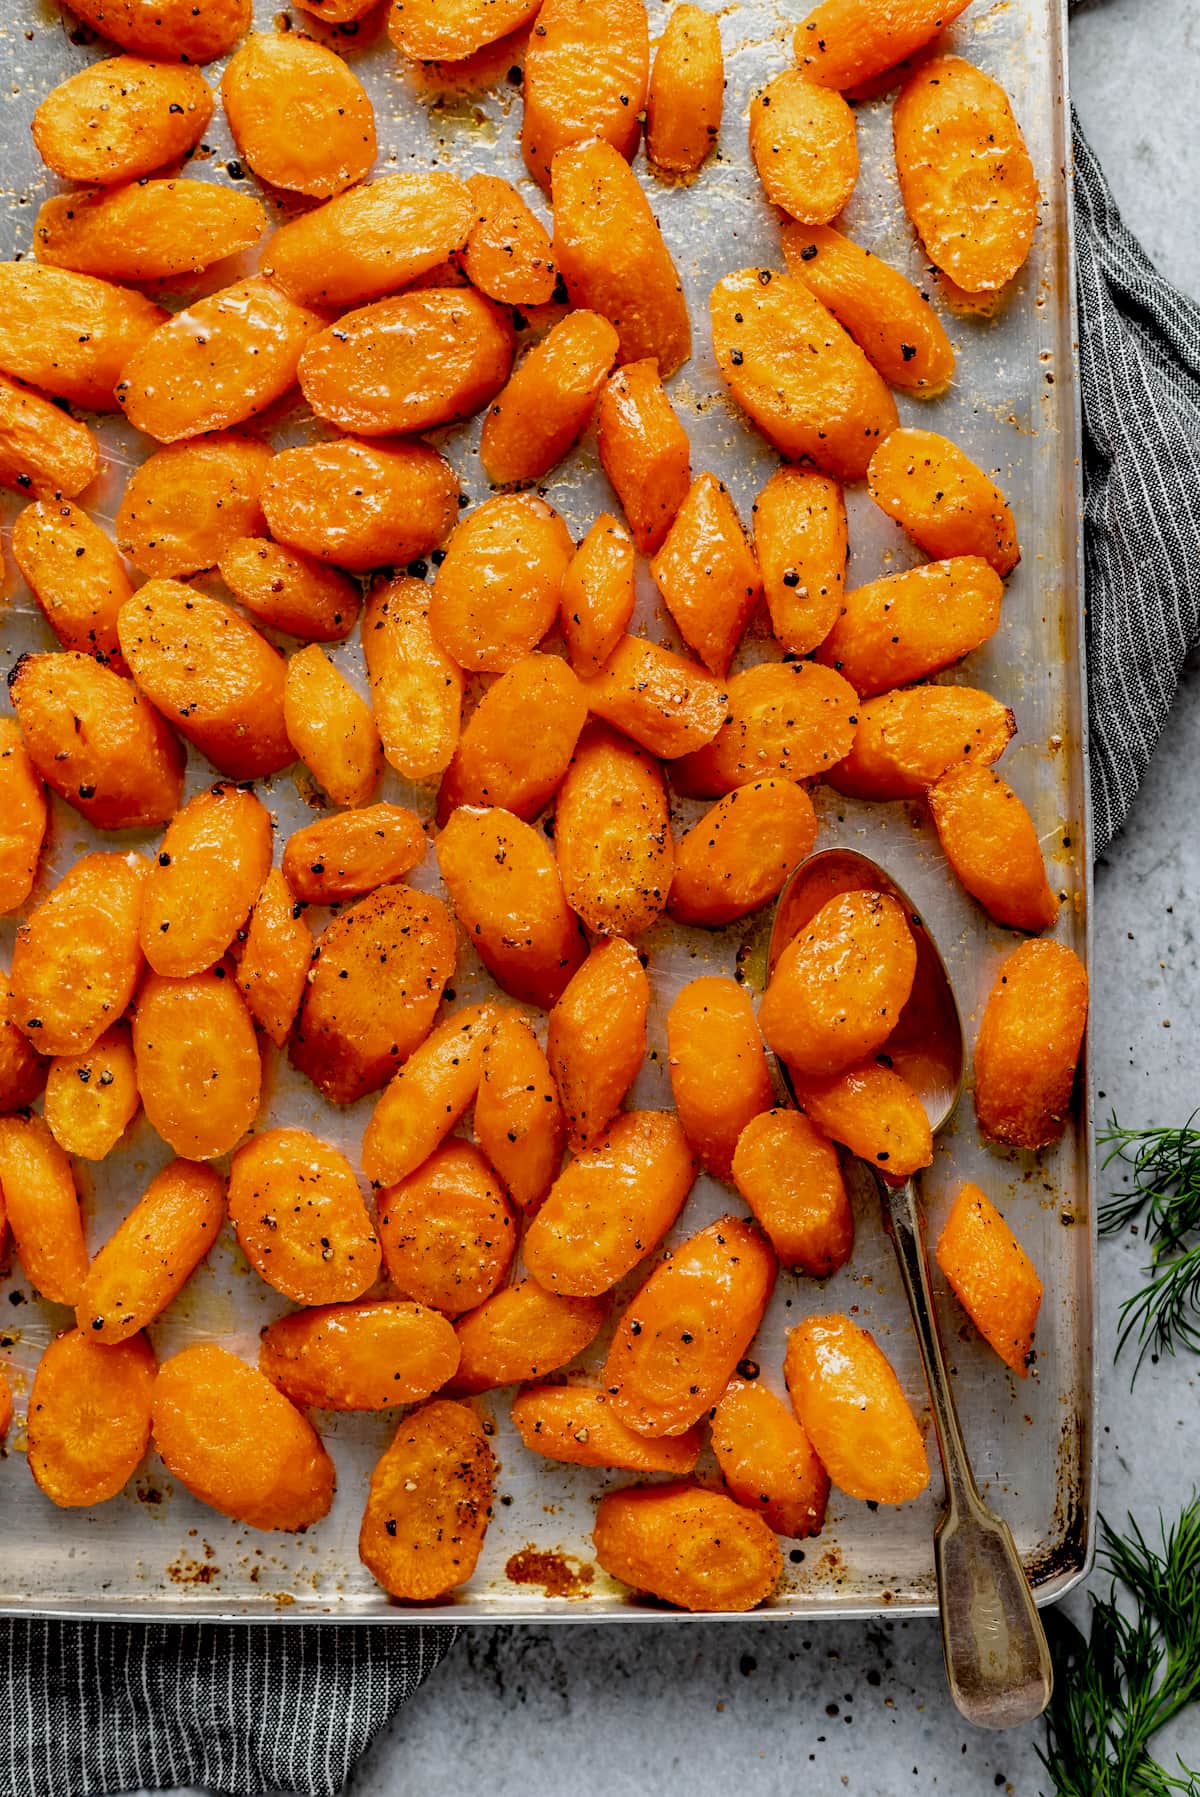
{"x":926,"y":1046}
{"x":997,"y":1660}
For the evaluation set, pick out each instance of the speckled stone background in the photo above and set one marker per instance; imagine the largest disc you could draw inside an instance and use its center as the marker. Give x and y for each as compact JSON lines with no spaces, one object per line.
{"x":775,"y":1708}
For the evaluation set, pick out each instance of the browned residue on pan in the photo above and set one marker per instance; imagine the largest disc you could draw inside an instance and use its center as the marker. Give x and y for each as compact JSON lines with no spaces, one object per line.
{"x":559,"y":1575}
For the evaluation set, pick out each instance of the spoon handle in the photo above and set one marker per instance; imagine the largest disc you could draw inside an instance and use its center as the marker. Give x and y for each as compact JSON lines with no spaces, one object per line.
{"x":997,"y":1660}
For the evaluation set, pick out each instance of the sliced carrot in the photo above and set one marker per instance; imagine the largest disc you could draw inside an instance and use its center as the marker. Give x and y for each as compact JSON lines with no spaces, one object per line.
{"x":905,"y":626}
{"x":598,"y":594}
{"x":429,"y":1503}
{"x":518,"y":744}
{"x":965,"y":175}
{"x":410,"y":363}
{"x":207,"y":668}
{"x":884,"y":313}
{"x":875,"y":1112}
{"x":368,"y":1355}
{"x":290,"y":590}
{"x":805,"y":147}
{"x":200,"y":887}
{"x":522,"y":1332}
{"x":275,"y":960}
{"x":687,"y":92}
{"x":505,"y":885}
{"x":681,"y":1337}
{"x":42,"y":1206}
{"x":175,"y":30}
{"x":739,"y":854}
{"x":719,"y":1074}
{"x":992,"y":845}
{"x":789,"y":1174}
{"x":299,"y":114}
{"x":371,"y":240}
{"x":96,"y":741}
{"x":613,"y":257}
{"x":188,"y":502}
{"x":667,"y":705}
{"x":427,"y":1096}
{"x":299,"y":1217}
{"x":448,"y":1231}
{"x":549,"y":400}
{"x":397,"y":501}
{"x":153,"y":1252}
{"x":89,"y":1417}
{"x":497,"y":591}
{"x":452,"y":30}
{"x":611,"y":1205}
{"x":854,"y":1411}
{"x":69,"y":334}
{"x":800,"y":539}
{"x":904,"y":741}
{"x":767,"y":1461}
{"x":331,"y":727}
{"x":801,"y":378}
{"x":353,"y":852}
{"x":707,"y":574}
{"x":43,"y":450}
{"x":947,"y":505}
{"x":613,"y":834}
{"x":508,"y":255}
{"x":92,"y":1098}
{"x":147,"y":230}
{"x":223,"y":359}
{"x":518,"y":1116}
{"x":991,"y":1276}
{"x":76,"y":573}
{"x":121,"y":118}
{"x":1029,"y":1043}
{"x":577,"y":1424}
{"x":792,"y":718}
{"x":644,"y":451}
{"x":843,"y":43}
{"x":22,"y":818}
{"x":836,"y":992}
{"x":373,"y":990}
{"x":416,"y":689}
{"x":597,"y":1039}
{"x":586,"y":74}
{"x":688,"y":1546}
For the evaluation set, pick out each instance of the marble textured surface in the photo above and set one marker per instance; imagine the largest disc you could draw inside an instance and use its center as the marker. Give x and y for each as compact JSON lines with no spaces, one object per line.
{"x":767,"y":1708}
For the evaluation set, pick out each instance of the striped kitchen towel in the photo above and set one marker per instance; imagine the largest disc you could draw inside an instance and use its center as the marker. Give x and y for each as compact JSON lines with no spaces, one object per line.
{"x":105,"y":1707}
{"x":1139,"y":369}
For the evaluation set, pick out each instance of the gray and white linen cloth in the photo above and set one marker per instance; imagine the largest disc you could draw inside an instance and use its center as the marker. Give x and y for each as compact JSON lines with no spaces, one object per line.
{"x":106,"y":1707}
{"x":1139,"y":376}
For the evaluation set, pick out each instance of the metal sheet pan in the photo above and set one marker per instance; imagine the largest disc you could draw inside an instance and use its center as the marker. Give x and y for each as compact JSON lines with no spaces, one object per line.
{"x":155,"y":1553}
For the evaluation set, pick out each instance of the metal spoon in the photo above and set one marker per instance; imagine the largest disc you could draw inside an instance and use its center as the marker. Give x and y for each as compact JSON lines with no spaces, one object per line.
{"x":997,"y":1660}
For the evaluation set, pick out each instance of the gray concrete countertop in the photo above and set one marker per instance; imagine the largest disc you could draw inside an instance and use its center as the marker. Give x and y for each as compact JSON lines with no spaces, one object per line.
{"x":769,"y":1707}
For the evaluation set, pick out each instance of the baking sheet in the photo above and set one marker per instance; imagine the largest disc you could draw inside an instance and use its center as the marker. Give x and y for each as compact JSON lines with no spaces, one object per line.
{"x":153,"y":1552}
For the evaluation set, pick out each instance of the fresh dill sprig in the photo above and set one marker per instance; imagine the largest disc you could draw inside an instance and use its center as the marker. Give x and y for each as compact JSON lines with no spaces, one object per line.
{"x":1166,"y":1180}
{"x":1138,"y":1669}
{"x":1165,"y":1194}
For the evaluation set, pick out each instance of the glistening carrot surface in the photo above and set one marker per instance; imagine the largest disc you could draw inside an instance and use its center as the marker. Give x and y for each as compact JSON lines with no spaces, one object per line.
{"x":965,"y":174}
{"x":850,"y":1402}
{"x":548,"y":401}
{"x":800,"y":377}
{"x":586,"y":73}
{"x":991,"y":1276}
{"x":687,"y":92}
{"x":613,"y":256}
